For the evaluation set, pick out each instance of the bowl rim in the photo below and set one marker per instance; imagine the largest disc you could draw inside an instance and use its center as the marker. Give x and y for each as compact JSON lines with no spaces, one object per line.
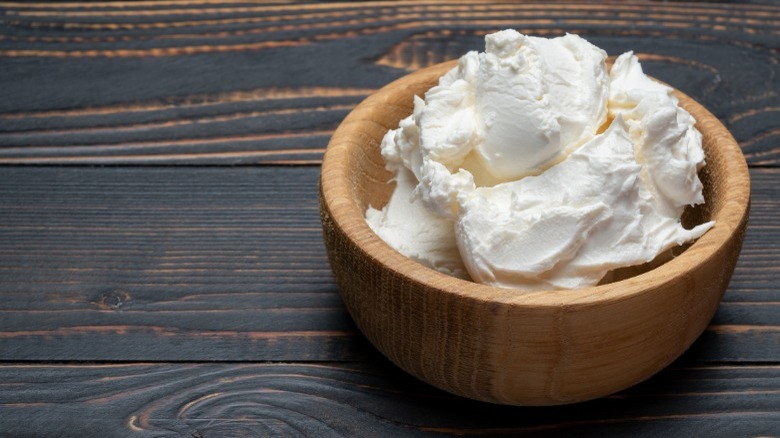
{"x":336,"y":194}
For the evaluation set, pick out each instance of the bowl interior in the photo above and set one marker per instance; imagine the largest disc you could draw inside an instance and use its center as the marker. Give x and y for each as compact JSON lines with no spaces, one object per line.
{"x":370,"y":184}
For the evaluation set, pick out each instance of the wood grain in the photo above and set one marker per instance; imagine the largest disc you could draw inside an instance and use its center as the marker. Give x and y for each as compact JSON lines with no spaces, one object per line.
{"x":189,"y":83}
{"x":372,"y":399}
{"x":228,"y":263}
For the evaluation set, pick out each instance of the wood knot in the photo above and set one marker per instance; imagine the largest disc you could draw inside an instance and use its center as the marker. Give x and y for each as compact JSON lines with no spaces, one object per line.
{"x":113,"y":300}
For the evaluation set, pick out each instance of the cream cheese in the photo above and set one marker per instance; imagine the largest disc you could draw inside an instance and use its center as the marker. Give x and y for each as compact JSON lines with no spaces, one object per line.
{"x":503,"y":171}
{"x":416,"y":231}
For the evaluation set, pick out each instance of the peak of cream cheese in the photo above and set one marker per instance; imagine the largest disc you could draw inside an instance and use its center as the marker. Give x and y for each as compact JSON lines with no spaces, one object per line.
{"x":503,"y":172}
{"x":536,"y":100}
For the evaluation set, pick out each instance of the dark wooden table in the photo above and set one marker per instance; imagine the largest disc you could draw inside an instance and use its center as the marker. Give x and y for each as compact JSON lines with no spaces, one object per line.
{"x":162,"y":270}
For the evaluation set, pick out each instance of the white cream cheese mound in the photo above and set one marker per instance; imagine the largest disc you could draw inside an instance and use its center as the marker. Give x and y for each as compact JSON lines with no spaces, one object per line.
{"x":415,"y":231}
{"x":503,"y":170}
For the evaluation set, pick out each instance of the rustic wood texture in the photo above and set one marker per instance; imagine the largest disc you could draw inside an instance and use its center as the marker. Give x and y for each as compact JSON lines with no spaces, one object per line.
{"x":228,"y":264}
{"x":190,"y":82}
{"x":372,"y":399}
{"x":170,"y":264}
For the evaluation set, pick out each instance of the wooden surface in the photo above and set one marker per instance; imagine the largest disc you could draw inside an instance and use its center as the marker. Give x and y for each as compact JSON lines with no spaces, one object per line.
{"x":172,"y":293}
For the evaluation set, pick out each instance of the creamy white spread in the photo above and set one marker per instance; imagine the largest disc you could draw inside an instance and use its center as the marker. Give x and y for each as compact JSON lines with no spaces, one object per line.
{"x":531,"y":166}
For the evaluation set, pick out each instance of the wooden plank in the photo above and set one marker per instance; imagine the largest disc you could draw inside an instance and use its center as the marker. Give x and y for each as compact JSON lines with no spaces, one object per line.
{"x":190,"y":84}
{"x":371,"y":399}
{"x":242,"y":255}
{"x":126,"y":263}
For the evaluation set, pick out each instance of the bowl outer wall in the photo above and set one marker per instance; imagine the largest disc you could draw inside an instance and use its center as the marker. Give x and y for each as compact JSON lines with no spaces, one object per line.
{"x":501,"y":345}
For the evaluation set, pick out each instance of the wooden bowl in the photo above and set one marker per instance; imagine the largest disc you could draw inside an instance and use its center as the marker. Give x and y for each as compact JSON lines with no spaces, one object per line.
{"x":510,"y":347}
